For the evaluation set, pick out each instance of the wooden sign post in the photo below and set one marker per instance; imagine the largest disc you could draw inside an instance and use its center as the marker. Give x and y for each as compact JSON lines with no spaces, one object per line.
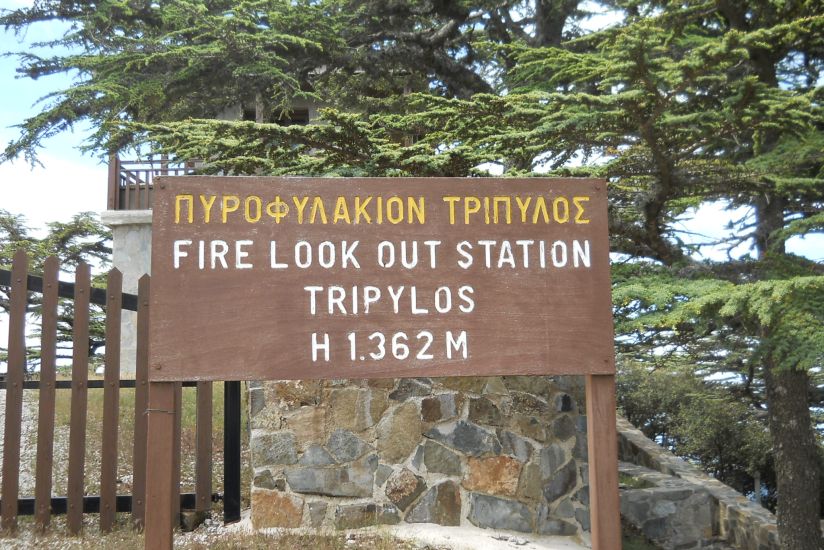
{"x":302,"y":278}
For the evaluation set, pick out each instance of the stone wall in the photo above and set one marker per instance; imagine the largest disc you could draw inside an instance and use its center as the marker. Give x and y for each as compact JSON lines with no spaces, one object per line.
{"x":670,"y":511}
{"x":737,"y":520}
{"x":497,"y":452}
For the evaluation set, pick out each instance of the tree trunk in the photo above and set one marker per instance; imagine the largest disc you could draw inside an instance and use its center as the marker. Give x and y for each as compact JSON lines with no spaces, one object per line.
{"x":260,"y":109}
{"x":550,"y":18}
{"x":795,"y":448}
{"x":796,"y":459}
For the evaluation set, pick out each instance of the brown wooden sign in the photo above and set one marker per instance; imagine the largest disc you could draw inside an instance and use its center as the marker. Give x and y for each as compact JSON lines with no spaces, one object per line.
{"x":300,"y":278}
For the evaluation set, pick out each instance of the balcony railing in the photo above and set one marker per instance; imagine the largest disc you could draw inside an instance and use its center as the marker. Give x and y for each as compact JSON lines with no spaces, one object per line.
{"x":131,"y":184}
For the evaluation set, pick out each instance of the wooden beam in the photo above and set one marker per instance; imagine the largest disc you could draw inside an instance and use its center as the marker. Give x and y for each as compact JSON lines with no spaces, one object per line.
{"x":113,"y":198}
{"x":159,"y":466}
{"x":14,"y":390}
{"x":75,"y":487}
{"x":45,"y":416}
{"x":141,"y":400}
{"x":111,"y":403}
{"x":602,"y":440}
{"x":203,"y":458}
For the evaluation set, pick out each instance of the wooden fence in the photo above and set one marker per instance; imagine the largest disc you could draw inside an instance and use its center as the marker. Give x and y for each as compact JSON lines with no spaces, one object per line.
{"x":131,"y":182}
{"x":108,"y":502}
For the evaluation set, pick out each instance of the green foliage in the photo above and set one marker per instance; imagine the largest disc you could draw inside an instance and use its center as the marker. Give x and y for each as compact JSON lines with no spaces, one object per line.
{"x":162,"y":61}
{"x":83,"y":239}
{"x":661,"y":309}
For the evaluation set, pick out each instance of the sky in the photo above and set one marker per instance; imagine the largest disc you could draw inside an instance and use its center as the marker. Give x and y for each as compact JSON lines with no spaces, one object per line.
{"x":67,"y":182}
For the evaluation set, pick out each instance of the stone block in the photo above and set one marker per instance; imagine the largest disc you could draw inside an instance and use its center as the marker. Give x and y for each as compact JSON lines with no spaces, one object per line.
{"x":403,"y":488}
{"x":530,"y":483}
{"x":345,"y":446}
{"x":399,"y":432}
{"x":370,"y":462}
{"x":293,"y":394}
{"x":496,"y":475}
{"x":317,"y":512}
{"x":335,"y":482}
{"x":411,"y":387}
{"x":582,"y":517}
{"x":307,"y":424}
{"x":557,"y":527}
{"x":357,"y":516}
{"x":315,"y":455}
{"x":472,"y":384}
{"x":382,"y":474}
{"x":498,"y":513}
{"x":417,"y":459}
{"x":528,"y":426}
{"x":582,"y":495}
{"x":264,"y":479}
{"x":257,"y":400}
{"x":676,"y":515}
{"x":191,"y":519}
{"x":495,"y":386}
{"x":529,"y":404}
{"x":275,"y":509}
{"x":441,"y":505}
{"x":563,"y":482}
{"x":273,"y":448}
{"x":381,"y":383}
{"x":466,"y":437}
{"x":563,"y":428}
{"x":515,"y":445}
{"x":483,"y":410}
{"x":378,"y":403}
{"x":439,"y":459}
{"x":536,"y":385}
{"x":551,"y":458}
{"x":564,"y":509}
{"x":353,"y":408}
{"x":581,"y":450}
{"x":439,"y":407}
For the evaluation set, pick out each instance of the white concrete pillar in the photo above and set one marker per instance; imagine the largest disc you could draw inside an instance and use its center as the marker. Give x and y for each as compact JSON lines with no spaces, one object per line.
{"x":132,"y":255}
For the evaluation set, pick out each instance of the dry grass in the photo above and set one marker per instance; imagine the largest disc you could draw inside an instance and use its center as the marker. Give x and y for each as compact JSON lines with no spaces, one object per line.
{"x":323,"y":541}
{"x":94,"y":439}
{"x":124,"y":538}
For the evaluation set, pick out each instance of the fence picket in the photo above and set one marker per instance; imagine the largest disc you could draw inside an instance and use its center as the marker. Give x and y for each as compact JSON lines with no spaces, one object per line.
{"x":45,"y":415}
{"x":113,"y":199}
{"x":111,"y":402}
{"x":141,"y":399}
{"x":14,"y":390}
{"x":126,"y":189}
{"x":203,"y":456}
{"x":80,"y":375}
{"x":178,"y":408}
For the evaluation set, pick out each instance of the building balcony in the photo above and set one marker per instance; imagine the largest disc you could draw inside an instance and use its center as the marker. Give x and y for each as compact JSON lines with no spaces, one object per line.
{"x":131,"y":182}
